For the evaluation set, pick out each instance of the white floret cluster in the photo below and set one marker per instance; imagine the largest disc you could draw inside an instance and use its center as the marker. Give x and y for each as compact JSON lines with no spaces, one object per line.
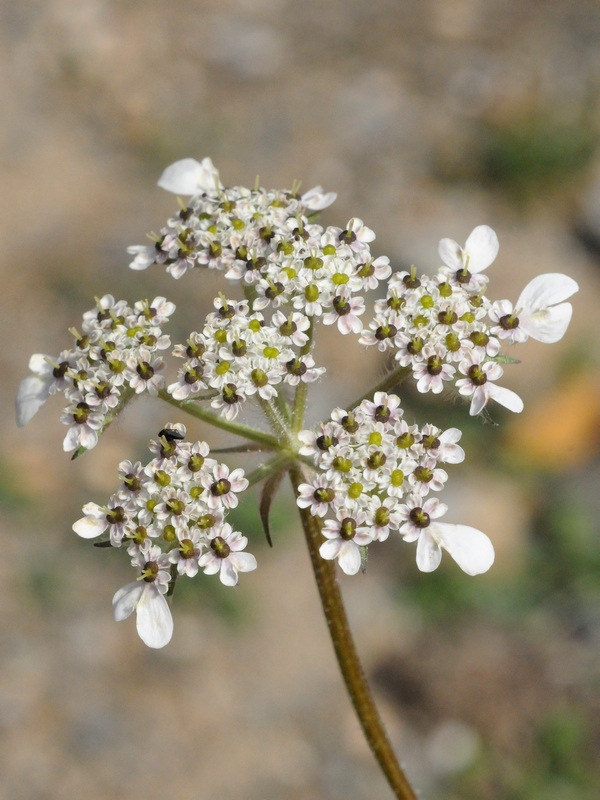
{"x":376,"y":474}
{"x":170,"y":514}
{"x":115,"y":355}
{"x":264,"y":239}
{"x":239,"y":355}
{"x":447,"y":331}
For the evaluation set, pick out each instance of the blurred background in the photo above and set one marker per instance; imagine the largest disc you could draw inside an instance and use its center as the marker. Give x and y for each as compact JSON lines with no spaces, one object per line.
{"x":428,"y":117}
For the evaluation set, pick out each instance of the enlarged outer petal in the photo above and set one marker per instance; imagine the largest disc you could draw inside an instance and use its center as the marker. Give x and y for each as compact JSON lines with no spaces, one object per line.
{"x":548,"y":325}
{"x":349,"y":558}
{"x":451,"y":253}
{"x":243,"y":562}
{"x":190,"y":177}
{"x":546,"y":290}
{"x":470,"y":548}
{"x":316,"y":199}
{"x":31,"y":396}
{"x":144,"y":256}
{"x":89,"y":528}
{"x":452,"y":451}
{"x":429,"y":554}
{"x":228,"y":575}
{"x":126,"y":599}
{"x":506,"y":398}
{"x":482,"y":248}
{"x":154,"y":621}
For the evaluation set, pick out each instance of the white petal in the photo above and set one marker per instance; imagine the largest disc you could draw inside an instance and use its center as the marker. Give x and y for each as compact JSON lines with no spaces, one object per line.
{"x":243,"y":562}
{"x":228,"y":575}
{"x":471,"y":549}
{"x":189,"y":177}
{"x":126,"y":599}
{"x":548,"y":325}
{"x":506,"y":398}
{"x":144,"y":256}
{"x":478,"y":401}
{"x":349,"y":558}
{"x":482,"y":247}
{"x":451,"y":253}
{"x":38,"y":363}
{"x":429,"y":554}
{"x":154,"y":621}
{"x":330,"y":549}
{"x":316,"y":200}
{"x":546,"y":290}
{"x":89,"y":528}
{"x":31,"y":396}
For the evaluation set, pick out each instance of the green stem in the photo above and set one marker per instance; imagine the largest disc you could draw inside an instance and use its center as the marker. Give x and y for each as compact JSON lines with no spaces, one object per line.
{"x":275,"y":419}
{"x":347,"y":656}
{"x":395,"y":377}
{"x":190,"y":407}
{"x":302,"y":389}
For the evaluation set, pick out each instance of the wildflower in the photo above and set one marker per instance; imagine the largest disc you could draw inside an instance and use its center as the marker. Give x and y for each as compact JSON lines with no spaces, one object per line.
{"x":540,"y":311}
{"x":345,"y":536}
{"x":146,"y":596}
{"x":479,"y":386}
{"x":225,"y":557}
{"x":480,"y":250}
{"x":470,"y":548}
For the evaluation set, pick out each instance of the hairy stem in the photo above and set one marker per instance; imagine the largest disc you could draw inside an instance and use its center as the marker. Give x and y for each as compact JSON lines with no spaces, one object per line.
{"x":190,"y":407}
{"x":276,"y":420}
{"x":347,"y":656}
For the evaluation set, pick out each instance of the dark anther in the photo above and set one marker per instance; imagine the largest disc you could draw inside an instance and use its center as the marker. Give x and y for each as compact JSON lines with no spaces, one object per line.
{"x":420,"y":518}
{"x":325,"y":442}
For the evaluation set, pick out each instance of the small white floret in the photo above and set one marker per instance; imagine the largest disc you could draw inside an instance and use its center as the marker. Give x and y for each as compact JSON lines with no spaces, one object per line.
{"x":480,"y":250}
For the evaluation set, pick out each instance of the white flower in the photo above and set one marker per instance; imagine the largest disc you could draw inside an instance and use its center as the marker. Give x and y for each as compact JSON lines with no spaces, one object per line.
{"x":222,"y":486}
{"x":316,"y":496}
{"x":98,"y":519}
{"x":470,"y":548}
{"x":478,"y":385}
{"x":540,"y":311}
{"x":479,"y":252}
{"x":316,"y":200}
{"x":224,"y":556}
{"x":34,"y":390}
{"x":146,"y":596}
{"x":344,"y":539}
{"x":190,"y":177}
{"x":443,"y":446}
{"x":346,"y":311}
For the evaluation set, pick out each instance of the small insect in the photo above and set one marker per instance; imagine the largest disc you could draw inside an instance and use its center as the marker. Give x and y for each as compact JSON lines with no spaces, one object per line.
{"x":170,"y":435}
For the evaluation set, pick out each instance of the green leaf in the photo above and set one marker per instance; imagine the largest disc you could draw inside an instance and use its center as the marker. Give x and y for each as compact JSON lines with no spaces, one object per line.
{"x":79,"y":452}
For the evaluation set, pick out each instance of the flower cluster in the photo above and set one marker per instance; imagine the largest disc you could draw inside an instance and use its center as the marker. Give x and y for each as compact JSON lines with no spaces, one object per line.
{"x":266,"y":241}
{"x":113,"y":357}
{"x":375,"y":475}
{"x":239,"y":355}
{"x":446,"y":330}
{"x":170,"y":514}
{"x":373,"y":472}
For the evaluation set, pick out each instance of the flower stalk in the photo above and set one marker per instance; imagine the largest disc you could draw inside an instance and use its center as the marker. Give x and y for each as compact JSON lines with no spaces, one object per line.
{"x":347,"y":656}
